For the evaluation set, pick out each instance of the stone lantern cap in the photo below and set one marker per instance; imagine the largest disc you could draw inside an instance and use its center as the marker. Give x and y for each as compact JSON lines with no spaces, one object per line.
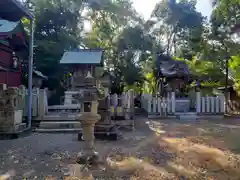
{"x":89,"y":81}
{"x":90,"y":92}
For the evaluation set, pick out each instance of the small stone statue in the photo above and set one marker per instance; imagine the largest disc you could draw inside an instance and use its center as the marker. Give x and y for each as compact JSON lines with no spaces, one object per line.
{"x":9,"y":98}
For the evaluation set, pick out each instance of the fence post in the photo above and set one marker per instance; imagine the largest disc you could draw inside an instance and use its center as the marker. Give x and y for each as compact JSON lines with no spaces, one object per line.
{"x":42,"y":110}
{"x":213,"y":99}
{"x":208,"y":104}
{"x":217,"y":105}
{"x":35,"y":104}
{"x":115,"y":104}
{"x":149,"y":101}
{"x":173,"y":102}
{"x":169,"y":103}
{"x":198,"y":103}
{"x":202,"y":100}
{"x":222,"y":105}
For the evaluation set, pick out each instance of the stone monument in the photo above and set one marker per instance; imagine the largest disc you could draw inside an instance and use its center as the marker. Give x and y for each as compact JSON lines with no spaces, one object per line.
{"x":10,"y":114}
{"x":88,"y":118}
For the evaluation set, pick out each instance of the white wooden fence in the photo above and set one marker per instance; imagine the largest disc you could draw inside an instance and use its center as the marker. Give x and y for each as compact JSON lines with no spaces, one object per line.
{"x":163,"y":107}
{"x":39,"y":102}
{"x":122,"y":105}
{"x":159,"y":106}
{"x":212,"y":105}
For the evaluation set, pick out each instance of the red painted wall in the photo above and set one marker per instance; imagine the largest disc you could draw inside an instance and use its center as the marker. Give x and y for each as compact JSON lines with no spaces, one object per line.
{"x":10,"y":78}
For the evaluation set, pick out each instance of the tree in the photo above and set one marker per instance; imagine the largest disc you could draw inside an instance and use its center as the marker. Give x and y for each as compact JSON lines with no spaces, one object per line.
{"x":179,"y":24}
{"x":226,"y":15}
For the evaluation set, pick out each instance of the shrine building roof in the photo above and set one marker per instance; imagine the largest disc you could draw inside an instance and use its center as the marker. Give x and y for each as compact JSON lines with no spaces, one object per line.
{"x":39,"y":74}
{"x":7,"y":26}
{"x":83,"y":56}
{"x":13,"y":10}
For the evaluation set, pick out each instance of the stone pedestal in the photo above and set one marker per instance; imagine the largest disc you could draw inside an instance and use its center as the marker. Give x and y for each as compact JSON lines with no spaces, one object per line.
{"x":88,"y":154}
{"x":10,"y":114}
{"x":10,"y":121}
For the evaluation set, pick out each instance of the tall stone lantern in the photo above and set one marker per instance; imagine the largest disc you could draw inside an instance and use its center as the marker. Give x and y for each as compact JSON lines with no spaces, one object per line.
{"x":88,"y":117}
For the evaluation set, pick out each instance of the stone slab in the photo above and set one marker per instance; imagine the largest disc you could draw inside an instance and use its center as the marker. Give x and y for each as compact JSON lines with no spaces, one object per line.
{"x":111,"y":134}
{"x":60,"y":125}
{"x":40,"y":130}
{"x":59,"y":117}
{"x":15,"y":135}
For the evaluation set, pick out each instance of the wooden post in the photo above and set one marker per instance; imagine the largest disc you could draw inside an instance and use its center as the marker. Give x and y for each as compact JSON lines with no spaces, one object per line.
{"x":213,"y":99}
{"x":154,"y":101}
{"x":42,"y":110}
{"x":169,"y":103}
{"x":35,"y":100}
{"x":198,"y":103}
{"x":208,"y":104}
{"x":173,"y":102}
{"x":222,"y":105}
{"x":217,"y":105}
{"x":203,"y":104}
{"x":149,"y":100}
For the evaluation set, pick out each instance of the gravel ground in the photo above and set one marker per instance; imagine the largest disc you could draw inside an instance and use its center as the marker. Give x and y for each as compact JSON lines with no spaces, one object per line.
{"x":156,"y":150}
{"x":41,"y":155}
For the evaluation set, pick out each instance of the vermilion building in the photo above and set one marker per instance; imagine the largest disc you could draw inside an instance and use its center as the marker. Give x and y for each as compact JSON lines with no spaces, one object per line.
{"x":13,"y":52}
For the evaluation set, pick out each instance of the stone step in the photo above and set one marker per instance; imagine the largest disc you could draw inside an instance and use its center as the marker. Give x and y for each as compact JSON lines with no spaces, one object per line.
{"x":60,"y":117}
{"x":188,"y":117}
{"x":185,"y":113}
{"x":67,"y":130}
{"x":60,"y":125}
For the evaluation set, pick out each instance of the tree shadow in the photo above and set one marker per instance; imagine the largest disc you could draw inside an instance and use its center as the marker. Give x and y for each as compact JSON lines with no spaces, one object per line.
{"x":182,"y":151}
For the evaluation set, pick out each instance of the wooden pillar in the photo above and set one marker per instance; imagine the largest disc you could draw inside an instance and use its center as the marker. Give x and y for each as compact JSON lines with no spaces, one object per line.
{"x":198,"y":102}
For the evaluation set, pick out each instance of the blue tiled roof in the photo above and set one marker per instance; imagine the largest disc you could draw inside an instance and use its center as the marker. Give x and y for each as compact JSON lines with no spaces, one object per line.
{"x":83,"y":56}
{"x":7,"y":26}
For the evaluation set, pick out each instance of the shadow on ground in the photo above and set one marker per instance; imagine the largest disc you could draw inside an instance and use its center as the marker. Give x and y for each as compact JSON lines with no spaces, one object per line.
{"x":157,"y":150}
{"x":203,"y":150}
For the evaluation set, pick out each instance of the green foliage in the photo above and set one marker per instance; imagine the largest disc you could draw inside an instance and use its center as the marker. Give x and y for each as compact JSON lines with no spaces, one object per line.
{"x":226,"y":15}
{"x":131,"y":43}
{"x":181,"y":25}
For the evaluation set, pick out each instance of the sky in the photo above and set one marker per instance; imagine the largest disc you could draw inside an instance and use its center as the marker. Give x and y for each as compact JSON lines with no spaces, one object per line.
{"x":204,"y":6}
{"x":145,"y":9}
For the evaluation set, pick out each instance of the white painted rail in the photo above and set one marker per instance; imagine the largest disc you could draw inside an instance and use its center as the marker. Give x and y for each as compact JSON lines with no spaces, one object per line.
{"x":161,"y":106}
{"x":212,"y":105}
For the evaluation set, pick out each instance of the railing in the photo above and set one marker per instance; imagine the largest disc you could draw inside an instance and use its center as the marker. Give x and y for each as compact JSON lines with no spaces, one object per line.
{"x":39,"y":102}
{"x":162,"y":106}
{"x":212,"y":105}
{"x":122,"y":105}
{"x":165,"y":106}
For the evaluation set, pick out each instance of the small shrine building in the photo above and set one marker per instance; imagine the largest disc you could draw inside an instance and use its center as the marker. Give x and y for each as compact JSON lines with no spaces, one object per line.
{"x":13,"y":52}
{"x":79,"y":62}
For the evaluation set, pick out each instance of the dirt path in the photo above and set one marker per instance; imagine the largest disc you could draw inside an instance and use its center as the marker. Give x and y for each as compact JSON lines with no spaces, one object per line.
{"x":158,"y":150}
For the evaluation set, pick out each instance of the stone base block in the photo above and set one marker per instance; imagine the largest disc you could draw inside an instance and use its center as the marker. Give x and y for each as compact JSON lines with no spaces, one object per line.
{"x":105,"y":117}
{"x":14,"y":135}
{"x":10,"y":121}
{"x":104,"y":133}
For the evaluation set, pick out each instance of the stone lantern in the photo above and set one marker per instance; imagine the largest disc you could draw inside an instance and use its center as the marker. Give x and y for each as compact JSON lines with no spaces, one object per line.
{"x":88,"y":118}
